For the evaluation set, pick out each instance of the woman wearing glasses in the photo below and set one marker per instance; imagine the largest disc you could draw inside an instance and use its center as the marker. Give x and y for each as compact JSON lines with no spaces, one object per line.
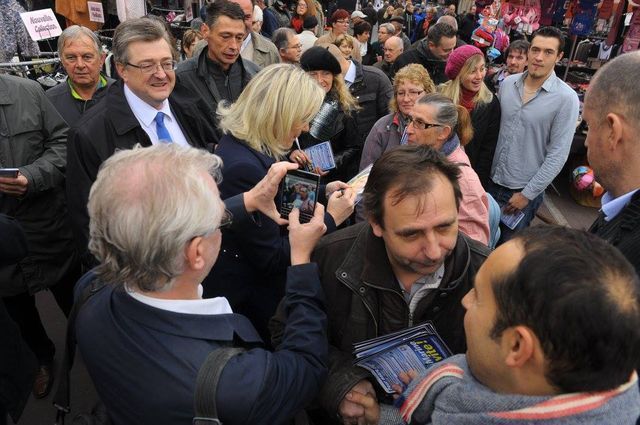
{"x":466,"y":69}
{"x":410,"y":82}
{"x":303,"y":9}
{"x":252,"y":265}
{"x":340,"y":25}
{"x":437,"y":122}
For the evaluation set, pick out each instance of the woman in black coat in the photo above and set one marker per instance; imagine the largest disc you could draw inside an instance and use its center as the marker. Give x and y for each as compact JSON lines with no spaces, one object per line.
{"x":335,"y":122}
{"x":251,"y":267}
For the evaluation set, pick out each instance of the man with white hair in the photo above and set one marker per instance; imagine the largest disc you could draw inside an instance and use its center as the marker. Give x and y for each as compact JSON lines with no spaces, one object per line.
{"x":145,"y":303}
{"x":82,"y":58}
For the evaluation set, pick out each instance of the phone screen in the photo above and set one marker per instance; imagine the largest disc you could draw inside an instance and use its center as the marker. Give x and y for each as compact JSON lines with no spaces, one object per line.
{"x":299,"y":190}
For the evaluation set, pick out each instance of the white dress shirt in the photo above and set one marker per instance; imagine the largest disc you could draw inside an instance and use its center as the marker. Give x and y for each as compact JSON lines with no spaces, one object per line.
{"x":218,"y":305}
{"x":146,"y":115}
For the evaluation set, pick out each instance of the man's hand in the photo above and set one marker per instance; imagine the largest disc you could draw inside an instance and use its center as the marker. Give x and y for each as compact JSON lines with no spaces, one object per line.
{"x":351,"y":412}
{"x":369,"y":404}
{"x":406,"y":378}
{"x":517,"y":203}
{"x":14,"y":186}
{"x":261,"y":196}
{"x":333,"y":186}
{"x":341,"y":204}
{"x":304,"y":237}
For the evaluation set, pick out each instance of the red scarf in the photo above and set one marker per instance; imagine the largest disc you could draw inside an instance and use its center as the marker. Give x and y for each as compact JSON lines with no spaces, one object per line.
{"x":467,"y":98}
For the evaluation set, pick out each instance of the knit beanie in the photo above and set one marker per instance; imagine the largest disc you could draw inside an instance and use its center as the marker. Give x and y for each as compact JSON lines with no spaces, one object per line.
{"x":319,"y":59}
{"x":457,"y":59}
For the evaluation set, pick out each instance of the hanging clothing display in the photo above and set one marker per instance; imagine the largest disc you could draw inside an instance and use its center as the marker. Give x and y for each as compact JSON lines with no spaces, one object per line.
{"x":130,"y":9}
{"x":76,"y":12}
{"x":632,"y":40}
{"x":14,"y":37}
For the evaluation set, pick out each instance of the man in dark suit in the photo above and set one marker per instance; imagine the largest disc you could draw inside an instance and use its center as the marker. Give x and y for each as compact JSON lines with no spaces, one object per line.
{"x":612,"y":112}
{"x":149,"y":309}
{"x":136,"y":110}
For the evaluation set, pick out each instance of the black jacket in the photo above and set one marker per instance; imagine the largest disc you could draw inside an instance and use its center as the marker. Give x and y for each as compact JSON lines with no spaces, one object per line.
{"x":193,"y":80}
{"x":373,"y":91}
{"x":364,"y":301}
{"x":486,"y":126}
{"x":108,"y":126}
{"x":623,"y":231}
{"x":71,"y":108}
{"x":344,"y":145}
{"x":422,"y":55}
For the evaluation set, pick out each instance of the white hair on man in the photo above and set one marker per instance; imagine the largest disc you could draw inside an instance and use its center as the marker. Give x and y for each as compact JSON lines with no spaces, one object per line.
{"x":145,"y":206}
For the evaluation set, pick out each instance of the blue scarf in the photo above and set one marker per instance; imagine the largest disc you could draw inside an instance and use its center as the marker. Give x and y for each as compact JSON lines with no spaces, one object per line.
{"x":450,"y":145}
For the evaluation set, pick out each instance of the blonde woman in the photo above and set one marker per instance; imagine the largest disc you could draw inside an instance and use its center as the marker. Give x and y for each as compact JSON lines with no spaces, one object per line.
{"x":466,"y":69}
{"x":344,"y":42}
{"x":252,"y":264}
{"x":410,"y":83}
{"x":336,"y":123}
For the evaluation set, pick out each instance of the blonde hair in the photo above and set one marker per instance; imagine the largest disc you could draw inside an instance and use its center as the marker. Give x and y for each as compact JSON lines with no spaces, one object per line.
{"x":343,"y":38}
{"x":340,"y":91}
{"x":277,"y":99}
{"x":413,"y":73}
{"x":452,"y":88}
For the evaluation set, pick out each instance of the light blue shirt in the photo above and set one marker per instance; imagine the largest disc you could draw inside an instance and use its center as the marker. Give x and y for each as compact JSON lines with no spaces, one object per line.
{"x":535,"y":137}
{"x":611,"y":207}
{"x":146,"y":114}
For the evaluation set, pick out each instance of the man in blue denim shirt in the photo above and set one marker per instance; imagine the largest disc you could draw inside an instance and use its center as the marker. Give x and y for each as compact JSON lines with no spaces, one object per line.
{"x":539,"y":112}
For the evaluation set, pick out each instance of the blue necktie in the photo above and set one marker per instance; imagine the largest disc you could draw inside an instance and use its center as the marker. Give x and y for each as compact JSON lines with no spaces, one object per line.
{"x":161,"y":130}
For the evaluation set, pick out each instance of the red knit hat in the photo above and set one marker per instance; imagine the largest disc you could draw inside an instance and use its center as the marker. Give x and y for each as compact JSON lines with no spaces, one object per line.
{"x":457,"y":59}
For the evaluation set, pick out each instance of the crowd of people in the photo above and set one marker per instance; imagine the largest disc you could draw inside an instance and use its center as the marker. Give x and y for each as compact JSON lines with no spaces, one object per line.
{"x":149,"y":205}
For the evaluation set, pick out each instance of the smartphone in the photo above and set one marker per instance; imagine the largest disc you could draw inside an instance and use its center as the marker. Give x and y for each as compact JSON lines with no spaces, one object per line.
{"x":9,"y":172}
{"x":299,"y":189}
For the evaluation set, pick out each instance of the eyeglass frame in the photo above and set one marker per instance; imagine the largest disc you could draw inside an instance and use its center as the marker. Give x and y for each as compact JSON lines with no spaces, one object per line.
{"x":421,"y":124}
{"x":418,"y":94}
{"x":153,"y":68}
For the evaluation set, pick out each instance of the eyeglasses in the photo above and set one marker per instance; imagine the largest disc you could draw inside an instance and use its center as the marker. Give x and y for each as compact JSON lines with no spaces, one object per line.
{"x":226,"y":220}
{"x":151,"y":68}
{"x":302,"y":5}
{"x":411,"y":93}
{"x":421,"y":125}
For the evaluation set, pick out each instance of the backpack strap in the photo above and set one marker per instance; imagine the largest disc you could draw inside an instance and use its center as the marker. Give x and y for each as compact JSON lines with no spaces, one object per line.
{"x":61,"y":399}
{"x":207,"y":384}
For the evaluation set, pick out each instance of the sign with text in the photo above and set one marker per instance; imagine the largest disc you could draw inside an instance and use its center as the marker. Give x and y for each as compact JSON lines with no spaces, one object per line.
{"x":41,"y":24}
{"x":96,"y":14}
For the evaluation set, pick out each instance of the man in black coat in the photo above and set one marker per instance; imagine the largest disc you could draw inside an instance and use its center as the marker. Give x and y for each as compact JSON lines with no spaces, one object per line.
{"x":135,"y":110}
{"x":611,"y":109}
{"x":408,"y":264}
{"x":432,"y":52}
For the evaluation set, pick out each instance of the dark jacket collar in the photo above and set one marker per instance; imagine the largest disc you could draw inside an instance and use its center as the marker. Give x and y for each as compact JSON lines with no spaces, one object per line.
{"x":220,"y":327}
{"x":367,"y":259}
{"x":118,"y":109}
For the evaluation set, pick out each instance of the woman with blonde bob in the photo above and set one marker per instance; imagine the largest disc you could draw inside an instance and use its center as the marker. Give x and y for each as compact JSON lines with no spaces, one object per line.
{"x":466,"y":69}
{"x":260,"y":127}
{"x":410,"y":82}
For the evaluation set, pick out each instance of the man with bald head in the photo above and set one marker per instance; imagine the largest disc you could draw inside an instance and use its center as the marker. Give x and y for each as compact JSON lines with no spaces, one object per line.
{"x":393,"y":48}
{"x":612,"y":110}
